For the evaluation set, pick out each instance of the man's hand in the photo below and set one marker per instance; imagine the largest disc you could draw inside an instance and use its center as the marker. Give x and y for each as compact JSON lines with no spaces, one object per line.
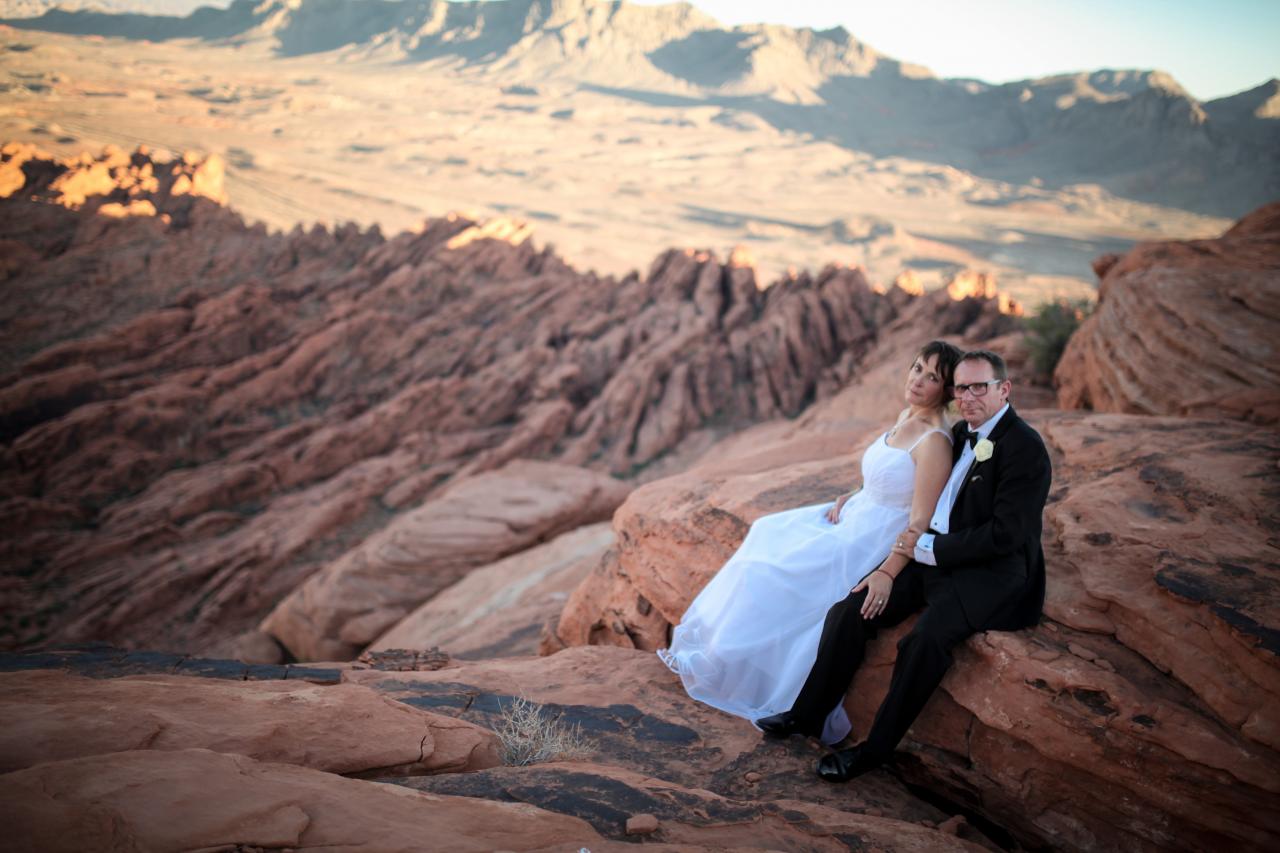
{"x":878,"y":585}
{"x":906,"y":543}
{"x":833,"y":514}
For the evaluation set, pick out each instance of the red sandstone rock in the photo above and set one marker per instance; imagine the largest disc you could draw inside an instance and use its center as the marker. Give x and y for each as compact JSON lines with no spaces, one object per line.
{"x":499,"y":610}
{"x":351,"y":602}
{"x":1165,"y":739}
{"x":606,"y":610}
{"x":256,"y":647}
{"x":688,"y":525}
{"x":215,"y":413}
{"x":642,"y":824}
{"x":673,"y":535}
{"x":1161,"y":528}
{"x":111,"y":177}
{"x":1184,"y":328}
{"x":640,"y":723}
{"x":195,"y":799}
{"x":53,"y":716}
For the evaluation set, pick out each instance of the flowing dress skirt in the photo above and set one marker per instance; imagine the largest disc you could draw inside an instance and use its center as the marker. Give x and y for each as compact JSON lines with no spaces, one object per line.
{"x":747,"y":642}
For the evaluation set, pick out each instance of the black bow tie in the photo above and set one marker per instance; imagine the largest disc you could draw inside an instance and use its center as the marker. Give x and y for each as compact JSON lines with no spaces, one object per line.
{"x":973,"y":438}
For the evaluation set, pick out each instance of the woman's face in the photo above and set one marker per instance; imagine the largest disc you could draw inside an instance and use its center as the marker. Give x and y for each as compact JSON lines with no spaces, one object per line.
{"x":924,"y":386}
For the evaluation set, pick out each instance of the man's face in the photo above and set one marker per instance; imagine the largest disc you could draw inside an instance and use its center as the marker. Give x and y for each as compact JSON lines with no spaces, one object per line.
{"x":978,"y":410}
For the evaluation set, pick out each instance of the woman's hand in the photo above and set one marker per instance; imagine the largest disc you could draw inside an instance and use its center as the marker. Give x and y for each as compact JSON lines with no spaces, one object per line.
{"x":878,"y":585}
{"x":833,"y":514}
{"x":905,"y":545}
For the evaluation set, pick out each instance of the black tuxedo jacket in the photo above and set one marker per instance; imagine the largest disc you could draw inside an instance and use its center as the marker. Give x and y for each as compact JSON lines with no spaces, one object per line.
{"x":992,"y":553}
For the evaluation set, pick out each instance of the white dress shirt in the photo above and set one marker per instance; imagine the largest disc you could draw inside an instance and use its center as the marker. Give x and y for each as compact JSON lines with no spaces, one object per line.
{"x":941,"y":521}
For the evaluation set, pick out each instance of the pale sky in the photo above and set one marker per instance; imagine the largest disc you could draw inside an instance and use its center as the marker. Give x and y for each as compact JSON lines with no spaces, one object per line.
{"x":1212,"y":47}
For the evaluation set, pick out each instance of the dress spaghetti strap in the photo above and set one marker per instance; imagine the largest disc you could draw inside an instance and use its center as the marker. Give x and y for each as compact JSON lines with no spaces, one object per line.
{"x":947,"y":433}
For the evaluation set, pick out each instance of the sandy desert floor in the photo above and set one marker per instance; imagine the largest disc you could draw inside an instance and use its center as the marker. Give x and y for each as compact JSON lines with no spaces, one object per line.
{"x":609,"y":179}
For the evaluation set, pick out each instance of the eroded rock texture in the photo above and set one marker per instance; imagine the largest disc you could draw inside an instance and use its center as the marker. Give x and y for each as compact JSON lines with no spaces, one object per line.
{"x":500,"y":610}
{"x":1184,"y":328}
{"x":251,"y":773}
{"x":1139,"y":715}
{"x":47,"y":715}
{"x":195,"y":799}
{"x":710,"y":778}
{"x":199,"y":416}
{"x":349,"y":603}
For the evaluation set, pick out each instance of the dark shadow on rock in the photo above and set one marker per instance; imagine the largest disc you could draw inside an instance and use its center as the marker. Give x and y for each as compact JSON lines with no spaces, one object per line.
{"x":102,"y":660}
{"x":709,"y":58}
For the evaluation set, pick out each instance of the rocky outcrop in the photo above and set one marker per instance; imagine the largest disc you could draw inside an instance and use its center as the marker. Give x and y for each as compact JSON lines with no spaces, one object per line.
{"x":709,"y":778}
{"x":674,"y":534}
{"x":500,"y":610}
{"x":618,"y":802}
{"x":1184,"y":328}
{"x":113,"y":183}
{"x":93,"y":241}
{"x":202,"y":421}
{"x":1137,"y":716}
{"x":685,"y":776}
{"x":348,"y":604}
{"x":194,"y":799}
{"x":338,"y":728}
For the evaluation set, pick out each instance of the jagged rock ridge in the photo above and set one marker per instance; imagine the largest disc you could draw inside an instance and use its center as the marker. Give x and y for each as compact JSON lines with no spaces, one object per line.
{"x":1140,"y":713}
{"x":236,"y":409}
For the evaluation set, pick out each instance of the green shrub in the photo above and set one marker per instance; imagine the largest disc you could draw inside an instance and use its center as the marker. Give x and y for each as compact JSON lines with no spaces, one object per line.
{"x":1049,"y":330}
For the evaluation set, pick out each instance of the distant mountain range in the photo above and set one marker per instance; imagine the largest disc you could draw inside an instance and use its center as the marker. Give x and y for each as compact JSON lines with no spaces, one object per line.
{"x":1138,"y":133}
{"x":35,"y":8}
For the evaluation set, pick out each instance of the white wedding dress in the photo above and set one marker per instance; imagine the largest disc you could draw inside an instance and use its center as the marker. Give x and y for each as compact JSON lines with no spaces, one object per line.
{"x":747,"y":642}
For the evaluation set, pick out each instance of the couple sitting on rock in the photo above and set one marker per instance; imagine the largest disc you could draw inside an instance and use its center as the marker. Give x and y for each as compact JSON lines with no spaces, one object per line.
{"x":947,"y":523}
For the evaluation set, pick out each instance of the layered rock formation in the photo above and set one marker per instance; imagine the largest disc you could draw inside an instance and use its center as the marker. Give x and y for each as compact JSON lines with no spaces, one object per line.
{"x":69,"y":274}
{"x":691,"y":778}
{"x":1138,"y":715}
{"x":363,"y":733}
{"x":153,"y":800}
{"x":340,"y":444}
{"x":652,"y":743}
{"x":1184,"y":328}
{"x":500,"y":610}
{"x":199,"y":416}
{"x":616,"y":604}
{"x":349,"y":603}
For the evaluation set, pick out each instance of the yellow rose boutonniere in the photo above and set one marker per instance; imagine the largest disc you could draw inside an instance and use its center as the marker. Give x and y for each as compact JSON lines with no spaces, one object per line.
{"x":982,"y":450}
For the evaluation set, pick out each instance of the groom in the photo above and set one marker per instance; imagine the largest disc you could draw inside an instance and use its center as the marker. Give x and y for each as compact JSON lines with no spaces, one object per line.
{"x":978,"y":568}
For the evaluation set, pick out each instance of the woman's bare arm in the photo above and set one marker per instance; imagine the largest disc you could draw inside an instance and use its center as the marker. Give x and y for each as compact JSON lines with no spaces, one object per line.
{"x":933,"y":468}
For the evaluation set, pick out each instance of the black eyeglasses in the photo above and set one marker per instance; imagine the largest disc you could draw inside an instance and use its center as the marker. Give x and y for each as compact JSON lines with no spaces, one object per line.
{"x":978,"y":389}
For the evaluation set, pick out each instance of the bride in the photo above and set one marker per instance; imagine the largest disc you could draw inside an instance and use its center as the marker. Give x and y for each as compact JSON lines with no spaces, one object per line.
{"x":747,"y":642}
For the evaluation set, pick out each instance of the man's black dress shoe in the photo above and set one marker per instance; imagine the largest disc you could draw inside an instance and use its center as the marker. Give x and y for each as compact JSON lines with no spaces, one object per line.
{"x":780,"y":725}
{"x":845,"y":764}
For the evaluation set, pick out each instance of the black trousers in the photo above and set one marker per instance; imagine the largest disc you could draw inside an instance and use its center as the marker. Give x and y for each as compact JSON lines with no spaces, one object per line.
{"x":924,"y":655}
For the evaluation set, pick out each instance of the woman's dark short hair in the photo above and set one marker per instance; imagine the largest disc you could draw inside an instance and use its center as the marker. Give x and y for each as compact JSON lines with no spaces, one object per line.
{"x":948,"y":357}
{"x":998,"y":367}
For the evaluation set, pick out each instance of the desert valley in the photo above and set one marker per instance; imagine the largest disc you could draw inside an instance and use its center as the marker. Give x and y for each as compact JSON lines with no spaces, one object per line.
{"x":618,"y":130}
{"x":380,"y":382}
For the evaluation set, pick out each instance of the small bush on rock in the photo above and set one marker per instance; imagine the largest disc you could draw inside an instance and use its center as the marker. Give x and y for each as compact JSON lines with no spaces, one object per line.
{"x":1050,"y":329}
{"x":529,"y":736}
